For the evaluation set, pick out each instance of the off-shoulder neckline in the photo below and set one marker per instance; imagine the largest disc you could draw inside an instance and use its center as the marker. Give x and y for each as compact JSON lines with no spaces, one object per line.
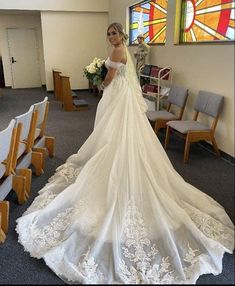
{"x":117,"y":62}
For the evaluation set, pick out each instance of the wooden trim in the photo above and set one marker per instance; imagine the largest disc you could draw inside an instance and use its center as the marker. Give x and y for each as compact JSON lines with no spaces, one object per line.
{"x":17,"y":143}
{"x":67,"y":98}
{"x":27,"y":173}
{"x":32,"y":129}
{"x":4,"y":212}
{"x":9,"y":160}
{"x":18,"y":185}
{"x":50,"y":145}
{"x":57,"y":88}
{"x":43,"y":126}
{"x":37,"y":162}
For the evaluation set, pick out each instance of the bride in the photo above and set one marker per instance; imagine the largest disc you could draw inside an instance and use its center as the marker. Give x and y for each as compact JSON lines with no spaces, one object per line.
{"x":117,"y":212}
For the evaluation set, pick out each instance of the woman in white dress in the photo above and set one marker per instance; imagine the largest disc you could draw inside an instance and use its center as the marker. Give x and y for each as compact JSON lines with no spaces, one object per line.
{"x":117,"y":212}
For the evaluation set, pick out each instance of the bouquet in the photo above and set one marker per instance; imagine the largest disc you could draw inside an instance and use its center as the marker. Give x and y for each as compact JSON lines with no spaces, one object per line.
{"x":96,"y":71}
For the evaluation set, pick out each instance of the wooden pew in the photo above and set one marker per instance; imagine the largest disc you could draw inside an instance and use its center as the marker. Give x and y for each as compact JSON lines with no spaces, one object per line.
{"x":24,"y":156}
{"x":41,"y":141}
{"x":57,"y":85}
{"x":19,"y":180}
{"x":69,"y":103}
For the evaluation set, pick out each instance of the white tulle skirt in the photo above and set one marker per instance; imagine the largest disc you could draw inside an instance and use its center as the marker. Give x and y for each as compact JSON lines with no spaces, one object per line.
{"x":118,"y":213}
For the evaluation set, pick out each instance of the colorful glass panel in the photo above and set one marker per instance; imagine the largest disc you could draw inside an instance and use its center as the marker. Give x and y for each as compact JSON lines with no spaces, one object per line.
{"x":149,"y":18}
{"x":207,"y":20}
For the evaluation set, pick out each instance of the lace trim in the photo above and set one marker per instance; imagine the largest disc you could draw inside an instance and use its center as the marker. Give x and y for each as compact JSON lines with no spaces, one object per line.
{"x":112,"y":64}
{"x":66,"y":171}
{"x":88,"y":269}
{"x":141,"y":261}
{"x":209,"y":226}
{"x":140,"y":254}
{"x":52,"y":234}
{"x":40,"y":202}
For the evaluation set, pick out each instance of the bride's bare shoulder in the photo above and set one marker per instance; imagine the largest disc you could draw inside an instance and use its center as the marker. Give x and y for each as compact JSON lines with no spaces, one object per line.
{"x":117,"y":54}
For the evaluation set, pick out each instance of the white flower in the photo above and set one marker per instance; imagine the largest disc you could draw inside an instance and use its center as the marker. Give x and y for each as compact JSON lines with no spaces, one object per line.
{"x":91,"y":68}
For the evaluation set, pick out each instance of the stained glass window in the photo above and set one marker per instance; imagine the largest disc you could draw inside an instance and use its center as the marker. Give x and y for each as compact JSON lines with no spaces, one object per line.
{"x":148,"y":18}
{"x":207,"y":21}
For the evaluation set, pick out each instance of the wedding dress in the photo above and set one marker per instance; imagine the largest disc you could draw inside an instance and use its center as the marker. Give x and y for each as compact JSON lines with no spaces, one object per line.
{"x":117,"y":212}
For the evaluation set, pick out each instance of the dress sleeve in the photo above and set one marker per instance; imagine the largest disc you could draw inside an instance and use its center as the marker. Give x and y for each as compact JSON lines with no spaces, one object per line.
{"x":111,"y":64}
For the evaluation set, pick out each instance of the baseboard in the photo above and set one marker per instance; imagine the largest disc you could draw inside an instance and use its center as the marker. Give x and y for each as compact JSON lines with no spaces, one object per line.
{"x":224,"y":155}
{"x":81,"y":90}
{"x":10,"y":87}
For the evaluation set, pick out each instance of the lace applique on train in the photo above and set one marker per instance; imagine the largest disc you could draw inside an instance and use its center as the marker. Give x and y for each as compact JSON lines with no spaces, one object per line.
{"x":140,"y":255}
{"x":41,"y":202}
{"x":139,"y":264}
{"x":85,"y":270}
{"x":42,"y":239}
{"x":209,"y":226}
{"x":67,"y":171}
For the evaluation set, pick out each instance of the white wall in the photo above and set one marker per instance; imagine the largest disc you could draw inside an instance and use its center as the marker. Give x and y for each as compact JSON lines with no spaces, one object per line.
{"x":198,"y":67}
{"x":12,"y":20}
{"x":71,"y":41}
{"x":57,"y":5}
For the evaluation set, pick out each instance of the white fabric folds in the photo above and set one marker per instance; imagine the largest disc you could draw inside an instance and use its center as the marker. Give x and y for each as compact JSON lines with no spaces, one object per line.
{"x":117,"y":212}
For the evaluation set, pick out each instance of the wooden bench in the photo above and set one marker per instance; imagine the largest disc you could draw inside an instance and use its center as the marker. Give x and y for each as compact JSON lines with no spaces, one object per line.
{"x":40,"y":140}
{"x":56,"y":81}
{"x":69,"y":103}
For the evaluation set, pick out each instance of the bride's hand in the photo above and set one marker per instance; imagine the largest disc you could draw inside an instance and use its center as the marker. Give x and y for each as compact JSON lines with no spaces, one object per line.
{"x":102,"y":86}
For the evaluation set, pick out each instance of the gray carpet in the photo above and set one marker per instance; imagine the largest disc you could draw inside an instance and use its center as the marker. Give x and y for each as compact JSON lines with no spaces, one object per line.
{"x":213,"y":176}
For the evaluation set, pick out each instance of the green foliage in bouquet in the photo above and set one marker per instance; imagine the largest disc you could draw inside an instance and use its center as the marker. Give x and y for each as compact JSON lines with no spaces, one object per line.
{"x":96,"y":71}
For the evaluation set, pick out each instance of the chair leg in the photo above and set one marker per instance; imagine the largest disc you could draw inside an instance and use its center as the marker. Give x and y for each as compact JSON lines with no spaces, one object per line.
{"x":50,"y":145}
{"x":215,"y":146}
{"x":4,"y":219}
{"x":186,"y":149}
{"x":167,"y":139}
{"x":18,"y":185}
{"x":156,"y":127}
{"x":37,"y":162}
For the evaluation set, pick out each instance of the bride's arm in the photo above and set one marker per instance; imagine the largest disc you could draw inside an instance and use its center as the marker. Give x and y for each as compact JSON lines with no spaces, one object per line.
{"x":116,"y":56}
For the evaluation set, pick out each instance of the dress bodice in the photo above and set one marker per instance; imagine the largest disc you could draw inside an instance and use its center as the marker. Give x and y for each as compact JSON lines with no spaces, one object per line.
{"x":121,"y":67}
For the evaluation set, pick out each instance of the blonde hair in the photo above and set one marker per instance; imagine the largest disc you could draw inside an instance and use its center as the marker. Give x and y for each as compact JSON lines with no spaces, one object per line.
{"x":118,"y":27}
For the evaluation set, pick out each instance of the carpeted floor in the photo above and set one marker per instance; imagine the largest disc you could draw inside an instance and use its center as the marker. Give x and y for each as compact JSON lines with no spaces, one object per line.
{"x":205,"y":171}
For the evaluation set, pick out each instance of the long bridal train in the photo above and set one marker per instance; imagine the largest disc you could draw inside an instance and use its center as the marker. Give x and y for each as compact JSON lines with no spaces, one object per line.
{"x":118,"y":212}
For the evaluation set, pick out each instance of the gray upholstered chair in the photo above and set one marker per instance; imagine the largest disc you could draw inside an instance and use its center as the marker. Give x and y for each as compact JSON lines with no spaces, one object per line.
{"x":177,"y":97}
{"x":193,"y":131}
